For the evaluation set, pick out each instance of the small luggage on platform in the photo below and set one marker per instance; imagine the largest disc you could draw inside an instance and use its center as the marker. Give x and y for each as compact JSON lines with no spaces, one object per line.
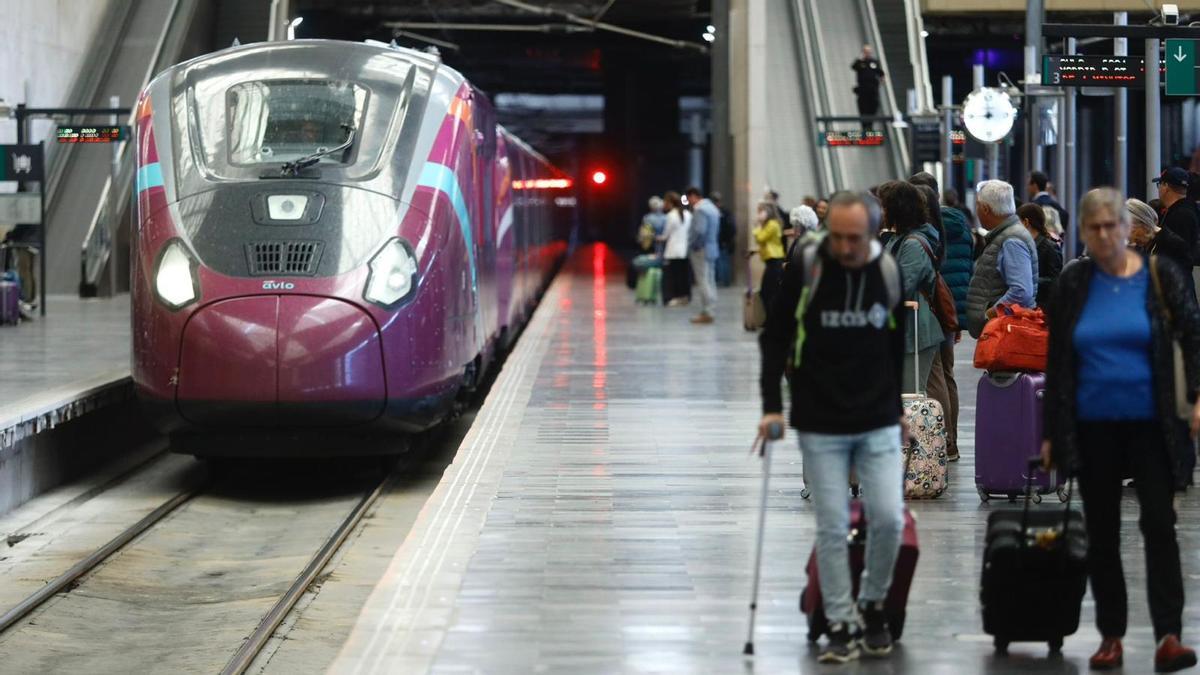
{"x":811,"y":603}
{"x":925,"y":459}
{"x":1008,"y":430}
{"x":1018,"y":339}
{"x":649,"y":287}
{"x":10,"y":303}
{"x":1034,"y":574}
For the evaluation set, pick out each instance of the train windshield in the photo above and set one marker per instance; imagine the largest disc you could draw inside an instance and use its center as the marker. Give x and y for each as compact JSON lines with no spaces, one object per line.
{"x":278,"y":121}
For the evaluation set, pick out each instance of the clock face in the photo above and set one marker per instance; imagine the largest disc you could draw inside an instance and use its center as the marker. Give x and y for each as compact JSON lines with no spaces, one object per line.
{"x":989,"y":114}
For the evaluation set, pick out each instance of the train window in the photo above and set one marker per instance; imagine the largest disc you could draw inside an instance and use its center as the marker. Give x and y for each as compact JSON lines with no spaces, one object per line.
{"x":275,"y":121}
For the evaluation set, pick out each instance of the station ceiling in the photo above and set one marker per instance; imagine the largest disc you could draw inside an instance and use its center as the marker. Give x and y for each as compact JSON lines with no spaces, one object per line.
{"x":505,"y":48}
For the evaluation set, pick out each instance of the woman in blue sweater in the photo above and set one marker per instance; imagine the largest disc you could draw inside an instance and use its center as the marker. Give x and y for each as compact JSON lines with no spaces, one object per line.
{"x":1111,"y":410}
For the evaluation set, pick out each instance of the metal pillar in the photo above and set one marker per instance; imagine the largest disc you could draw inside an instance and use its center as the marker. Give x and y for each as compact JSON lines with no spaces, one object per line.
{"x":1121,"y":115}
{"x":114,"y":206}
{"x":992,"y":162}
{"x":696,"y":153}
{"x":1066,"y":186}
{"x":1035,"y":14}
{"x":947,"y":127}
{"x":1153,"y":118}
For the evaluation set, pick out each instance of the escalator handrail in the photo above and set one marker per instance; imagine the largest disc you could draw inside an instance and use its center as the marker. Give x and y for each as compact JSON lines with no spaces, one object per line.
{"x":818,"y":99}
{"x":816,"y":41}
{"x":125,"y":164}
{"x":915,"y":25}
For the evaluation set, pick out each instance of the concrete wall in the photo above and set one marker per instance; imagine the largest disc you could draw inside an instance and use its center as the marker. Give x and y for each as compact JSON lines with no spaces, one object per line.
{"x":42,"y":45}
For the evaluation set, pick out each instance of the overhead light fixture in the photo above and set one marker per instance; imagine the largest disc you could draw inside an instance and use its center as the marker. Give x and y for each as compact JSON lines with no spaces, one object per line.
{"x":711,"y":28}
{"x":924,"y":33}
{"x":709,"y":37}
{"x":291,"y":30}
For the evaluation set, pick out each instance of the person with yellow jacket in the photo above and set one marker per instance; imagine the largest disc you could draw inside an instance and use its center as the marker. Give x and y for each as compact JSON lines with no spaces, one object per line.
{"x":768,"y":232}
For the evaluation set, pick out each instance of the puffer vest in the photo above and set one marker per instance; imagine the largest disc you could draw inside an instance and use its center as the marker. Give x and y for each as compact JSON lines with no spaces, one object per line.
{"x":987,"y":284}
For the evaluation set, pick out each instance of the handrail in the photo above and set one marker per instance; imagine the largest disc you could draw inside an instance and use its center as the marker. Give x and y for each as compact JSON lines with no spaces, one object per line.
{"x":870,"y":26}
{"x":816,"y":42}
{"x":98,"y":241}
{"x":917,"y":54}
{"x":817,"y":99}
{"x":83,"y":90}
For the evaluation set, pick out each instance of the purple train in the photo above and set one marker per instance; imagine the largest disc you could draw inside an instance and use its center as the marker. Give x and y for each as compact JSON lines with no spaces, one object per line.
{"x":334,"y":240}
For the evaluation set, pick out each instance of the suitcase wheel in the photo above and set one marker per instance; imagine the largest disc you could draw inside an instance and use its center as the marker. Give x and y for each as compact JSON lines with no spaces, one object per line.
{"x":1036,"y":497}
{"x":813,"y":636}
{"x":1001,"y":645}
{"x":983,"y":495}
{"x":805,"y":493}
{"x":1063,"y":495}
{"x":1056,"y":645}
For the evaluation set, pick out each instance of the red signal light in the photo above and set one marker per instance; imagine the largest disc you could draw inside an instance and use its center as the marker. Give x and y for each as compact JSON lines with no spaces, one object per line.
{"x":599,"y":177}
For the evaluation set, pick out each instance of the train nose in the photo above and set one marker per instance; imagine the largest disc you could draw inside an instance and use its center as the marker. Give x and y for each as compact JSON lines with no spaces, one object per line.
{"x":287,"y":360}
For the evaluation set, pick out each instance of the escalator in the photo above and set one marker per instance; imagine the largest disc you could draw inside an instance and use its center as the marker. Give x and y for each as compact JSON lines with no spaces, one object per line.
{"x":88,"y":215}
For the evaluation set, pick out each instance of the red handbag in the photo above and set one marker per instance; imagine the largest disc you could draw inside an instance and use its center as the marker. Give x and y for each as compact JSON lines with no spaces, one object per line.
{"x":1018,"y":339}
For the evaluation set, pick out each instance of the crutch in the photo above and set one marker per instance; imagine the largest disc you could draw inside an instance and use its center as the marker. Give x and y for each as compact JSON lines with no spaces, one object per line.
{"x":774,"y":433}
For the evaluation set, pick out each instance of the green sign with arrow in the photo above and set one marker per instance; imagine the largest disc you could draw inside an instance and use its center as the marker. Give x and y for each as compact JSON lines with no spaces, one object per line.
{"x":1183,"y":73}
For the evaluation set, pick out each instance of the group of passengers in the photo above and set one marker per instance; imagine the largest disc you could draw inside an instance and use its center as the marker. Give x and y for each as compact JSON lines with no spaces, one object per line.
{"x":1114,"y":312}
{"x":690,"y":236}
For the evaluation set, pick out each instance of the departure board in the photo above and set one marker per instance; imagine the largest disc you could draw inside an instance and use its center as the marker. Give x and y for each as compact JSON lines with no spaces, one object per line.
{"x":91,"y":134}
{"x":1085,"y":70}
{"x":852,"y":138}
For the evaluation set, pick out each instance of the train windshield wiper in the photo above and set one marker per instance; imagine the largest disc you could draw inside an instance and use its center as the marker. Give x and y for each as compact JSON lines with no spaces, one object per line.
{"x":294,"y":167}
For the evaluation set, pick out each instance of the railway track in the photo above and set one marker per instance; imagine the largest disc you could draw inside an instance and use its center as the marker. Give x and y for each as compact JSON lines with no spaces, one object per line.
{"x":77,"y":575}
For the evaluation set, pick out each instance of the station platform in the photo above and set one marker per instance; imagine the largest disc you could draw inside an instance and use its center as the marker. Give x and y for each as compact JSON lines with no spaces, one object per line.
{"x":63,"y":365}
{"x":600,"y":516}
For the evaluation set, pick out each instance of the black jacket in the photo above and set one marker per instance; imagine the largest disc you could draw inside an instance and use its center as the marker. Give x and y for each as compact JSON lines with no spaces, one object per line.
{"x":1168,"y":244}
{"x":1050,"y":262}
{"x":849,"y":376}
{"x":1066,"y":305}
{"x":1183,"y":220}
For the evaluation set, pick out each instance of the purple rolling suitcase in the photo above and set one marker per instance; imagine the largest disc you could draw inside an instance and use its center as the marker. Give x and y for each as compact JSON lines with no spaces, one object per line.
{"x":10,"y":308}
{"x":1008,"y":431}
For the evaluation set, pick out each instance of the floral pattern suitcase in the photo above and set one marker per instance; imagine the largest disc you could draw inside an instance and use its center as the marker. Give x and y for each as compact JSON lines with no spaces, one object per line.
{"x":925,"y":460}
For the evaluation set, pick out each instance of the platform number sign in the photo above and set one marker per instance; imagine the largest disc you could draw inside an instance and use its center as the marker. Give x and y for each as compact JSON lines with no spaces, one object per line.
{"x":20,"y":162}
{"x":1183,"y":72}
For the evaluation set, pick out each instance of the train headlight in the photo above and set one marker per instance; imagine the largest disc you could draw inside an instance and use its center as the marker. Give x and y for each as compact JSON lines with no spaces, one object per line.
{"x":393,"y":274}
{"x":175,"y":280}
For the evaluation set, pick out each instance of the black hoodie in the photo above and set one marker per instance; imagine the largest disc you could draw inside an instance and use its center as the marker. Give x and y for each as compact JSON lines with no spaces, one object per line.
{"x":849,"y":378}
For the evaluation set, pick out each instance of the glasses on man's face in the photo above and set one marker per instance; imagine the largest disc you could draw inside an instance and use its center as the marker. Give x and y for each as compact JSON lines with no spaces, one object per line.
{"x":1094,"y":229}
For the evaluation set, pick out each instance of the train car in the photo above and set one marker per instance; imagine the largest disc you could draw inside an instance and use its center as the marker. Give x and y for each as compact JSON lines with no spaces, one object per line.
{"x":333,"y":242}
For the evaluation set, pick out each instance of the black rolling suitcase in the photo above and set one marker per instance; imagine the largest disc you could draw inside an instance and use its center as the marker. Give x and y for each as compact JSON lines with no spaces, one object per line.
{"x":1034,"y":574}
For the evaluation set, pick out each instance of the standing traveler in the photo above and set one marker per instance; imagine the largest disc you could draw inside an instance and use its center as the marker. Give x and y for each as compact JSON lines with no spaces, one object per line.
{"x":726,"y":241}
{"x":913,"y":247}
{"x":843,"y":322}
{"x":768,"y":233}
{"x":677,"y":283}
{"x":821,"y":209}
{"x":1181,"y":217}
{"x":1147,"y":238}
{"x":956,"y":269}
{"x":868,"y":74}
{"x":702,"y":244}
{"x":1007,"y":268}
{"x":805,"y":228}
{"x":1038,"y":188}
{"x":1049,"y":255}
{"x":1111,"y":411}
{"x":654,"y":223}
{"x":772,"y":197}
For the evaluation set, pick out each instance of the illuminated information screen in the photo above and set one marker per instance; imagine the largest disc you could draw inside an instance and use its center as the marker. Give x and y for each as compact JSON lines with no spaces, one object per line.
{"x":1093,"y":71}
{"x":91,"y":134}
{"x":852,"y":138}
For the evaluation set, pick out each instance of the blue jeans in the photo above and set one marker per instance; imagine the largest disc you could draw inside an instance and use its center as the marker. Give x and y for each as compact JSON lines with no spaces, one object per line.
{"x":876,"y":457}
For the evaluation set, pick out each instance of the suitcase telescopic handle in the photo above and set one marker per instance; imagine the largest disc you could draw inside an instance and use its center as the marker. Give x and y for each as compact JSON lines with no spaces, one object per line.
{"x":916,"y":308}
{"x":1035,"y":464}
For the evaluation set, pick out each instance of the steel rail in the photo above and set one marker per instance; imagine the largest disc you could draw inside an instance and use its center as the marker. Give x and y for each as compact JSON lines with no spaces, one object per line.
{"x":266,"y":628}
{"x":12,"y":616}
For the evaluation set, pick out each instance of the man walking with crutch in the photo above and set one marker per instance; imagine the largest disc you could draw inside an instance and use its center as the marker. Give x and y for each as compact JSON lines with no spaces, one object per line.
{"x":838,"y":315}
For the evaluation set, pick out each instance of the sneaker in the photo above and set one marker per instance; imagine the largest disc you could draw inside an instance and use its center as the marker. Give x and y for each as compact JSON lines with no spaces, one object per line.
{"x":1172,"y":656}
{"x":876,"y":638}
{"x":842,"y":646}
{"x":677,"y":302}
{"x":702,"y":318}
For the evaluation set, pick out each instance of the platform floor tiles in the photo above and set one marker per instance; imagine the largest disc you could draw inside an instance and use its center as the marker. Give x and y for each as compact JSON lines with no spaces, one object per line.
{"x":600,"y":518}
{"x":76,"y":341}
